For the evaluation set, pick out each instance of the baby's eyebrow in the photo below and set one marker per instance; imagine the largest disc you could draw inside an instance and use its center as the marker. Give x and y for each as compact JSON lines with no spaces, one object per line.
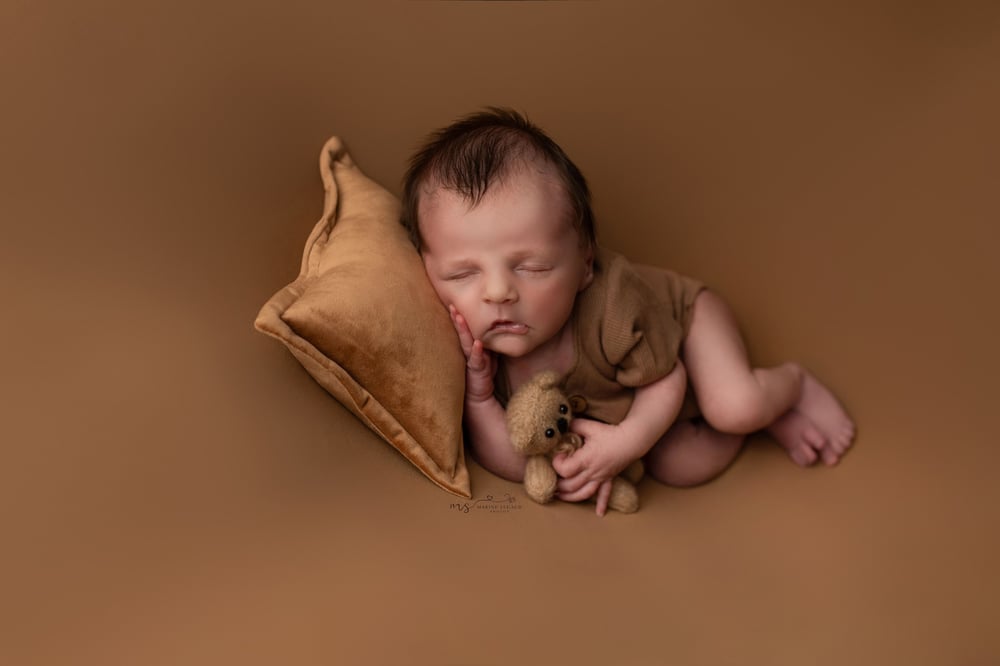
{"x":524,"y":254}
{"x":459,"y":264}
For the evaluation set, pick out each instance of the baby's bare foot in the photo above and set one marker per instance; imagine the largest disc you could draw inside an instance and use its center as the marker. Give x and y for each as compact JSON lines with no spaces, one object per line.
{"x":821,"y":408}
{"x":802,"y":440}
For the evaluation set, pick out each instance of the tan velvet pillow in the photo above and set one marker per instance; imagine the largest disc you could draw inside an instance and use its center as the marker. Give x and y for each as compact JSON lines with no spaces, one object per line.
{"x":364,"y":321}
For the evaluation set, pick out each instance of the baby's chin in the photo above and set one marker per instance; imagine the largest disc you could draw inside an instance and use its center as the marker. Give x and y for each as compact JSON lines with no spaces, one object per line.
{"x":509,"y":345}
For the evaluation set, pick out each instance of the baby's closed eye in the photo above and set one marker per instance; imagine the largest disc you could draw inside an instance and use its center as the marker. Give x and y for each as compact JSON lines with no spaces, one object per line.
{"x":535,"y":269}
{"x":459,"y":276}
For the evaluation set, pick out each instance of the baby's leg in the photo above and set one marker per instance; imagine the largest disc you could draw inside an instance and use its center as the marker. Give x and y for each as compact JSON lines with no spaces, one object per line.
{"x":802,"y":414}
{"x":691,"y":453}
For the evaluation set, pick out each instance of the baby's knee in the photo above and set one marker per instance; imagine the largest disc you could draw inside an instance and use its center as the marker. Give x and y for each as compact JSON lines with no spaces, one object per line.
{"x":736,"y":411}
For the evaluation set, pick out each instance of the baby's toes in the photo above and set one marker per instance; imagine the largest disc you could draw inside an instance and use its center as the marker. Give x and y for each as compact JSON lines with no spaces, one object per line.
{"x":830,"y":455}
{"x":849,"y":431}
{"x":803,"y":455}
{"x":814,"y":438}
{"x":843,"y":441}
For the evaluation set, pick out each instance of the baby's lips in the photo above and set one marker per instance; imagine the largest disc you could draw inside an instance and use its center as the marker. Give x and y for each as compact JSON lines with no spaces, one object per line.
{"x":507,"y":326}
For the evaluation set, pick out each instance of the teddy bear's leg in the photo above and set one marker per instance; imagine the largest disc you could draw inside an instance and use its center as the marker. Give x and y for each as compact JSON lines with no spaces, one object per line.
{"x":624,"y":497}
{"x":634,"y":471}
{"x":539,"y":479}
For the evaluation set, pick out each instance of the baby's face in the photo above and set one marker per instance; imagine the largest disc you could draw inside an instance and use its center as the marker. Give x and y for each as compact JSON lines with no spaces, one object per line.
{"x":512,"y":266}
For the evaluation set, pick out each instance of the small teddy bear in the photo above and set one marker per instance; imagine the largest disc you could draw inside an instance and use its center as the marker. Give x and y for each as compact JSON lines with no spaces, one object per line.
{"x":538,"y":417}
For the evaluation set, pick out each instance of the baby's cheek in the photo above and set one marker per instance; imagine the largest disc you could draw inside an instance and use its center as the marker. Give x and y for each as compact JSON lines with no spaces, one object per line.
{"x":448,"y":296}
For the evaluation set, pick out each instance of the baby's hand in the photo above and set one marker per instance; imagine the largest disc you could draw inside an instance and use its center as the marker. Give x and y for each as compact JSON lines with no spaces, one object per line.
{"x":591,"y":468}
{"x":480,"y":365}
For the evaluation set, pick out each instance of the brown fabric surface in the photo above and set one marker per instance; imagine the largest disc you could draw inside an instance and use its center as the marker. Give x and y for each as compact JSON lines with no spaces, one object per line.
{"x":364,"y":321}
{"x":176,"y":490}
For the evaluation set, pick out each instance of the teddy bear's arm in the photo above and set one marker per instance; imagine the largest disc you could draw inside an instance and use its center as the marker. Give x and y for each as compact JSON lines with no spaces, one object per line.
{"x":539,"y":479}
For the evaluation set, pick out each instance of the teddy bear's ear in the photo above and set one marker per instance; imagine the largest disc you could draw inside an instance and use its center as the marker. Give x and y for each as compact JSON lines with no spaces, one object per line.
{"x":548,"y":379}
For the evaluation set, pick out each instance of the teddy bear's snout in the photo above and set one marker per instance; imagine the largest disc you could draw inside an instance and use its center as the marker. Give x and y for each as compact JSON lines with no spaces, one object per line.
{"x":563,"y":425}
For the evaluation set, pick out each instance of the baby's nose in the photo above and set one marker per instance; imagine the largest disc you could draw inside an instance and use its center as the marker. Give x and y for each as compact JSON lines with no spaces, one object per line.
{"x":500,"y":290}
{"x":562,"y":424}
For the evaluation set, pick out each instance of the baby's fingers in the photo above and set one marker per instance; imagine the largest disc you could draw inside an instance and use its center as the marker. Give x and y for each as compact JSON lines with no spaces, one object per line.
{"x":478,"y":361}
{"x":586,"y":428}
{"x":463,"y":330}
{"x":480,"y":368}
{"x":568,"y":465}
{"x":585,"y":492}
{"x":603,"y":495}
{"x":574,"y":483}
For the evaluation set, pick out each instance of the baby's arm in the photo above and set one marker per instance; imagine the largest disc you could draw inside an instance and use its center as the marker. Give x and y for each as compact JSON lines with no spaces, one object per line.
{"x":485,"y":419}
{"x":487,"y":429}
{"x":609,"y":449}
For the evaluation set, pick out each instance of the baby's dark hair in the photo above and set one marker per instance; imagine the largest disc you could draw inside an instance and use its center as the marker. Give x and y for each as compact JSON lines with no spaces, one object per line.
{"x":477,"y":151}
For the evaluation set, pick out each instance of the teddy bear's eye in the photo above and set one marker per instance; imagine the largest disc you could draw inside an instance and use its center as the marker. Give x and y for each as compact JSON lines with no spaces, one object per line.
{"x":550,"y":433}
{"x":563,"y":409}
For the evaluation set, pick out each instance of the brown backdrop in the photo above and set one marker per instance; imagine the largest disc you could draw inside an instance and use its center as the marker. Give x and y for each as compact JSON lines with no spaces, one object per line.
{"x":176,"y":490}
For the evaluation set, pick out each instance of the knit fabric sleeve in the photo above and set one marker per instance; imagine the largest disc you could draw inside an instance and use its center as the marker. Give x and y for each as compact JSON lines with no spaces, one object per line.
{"x":639,"y":335}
